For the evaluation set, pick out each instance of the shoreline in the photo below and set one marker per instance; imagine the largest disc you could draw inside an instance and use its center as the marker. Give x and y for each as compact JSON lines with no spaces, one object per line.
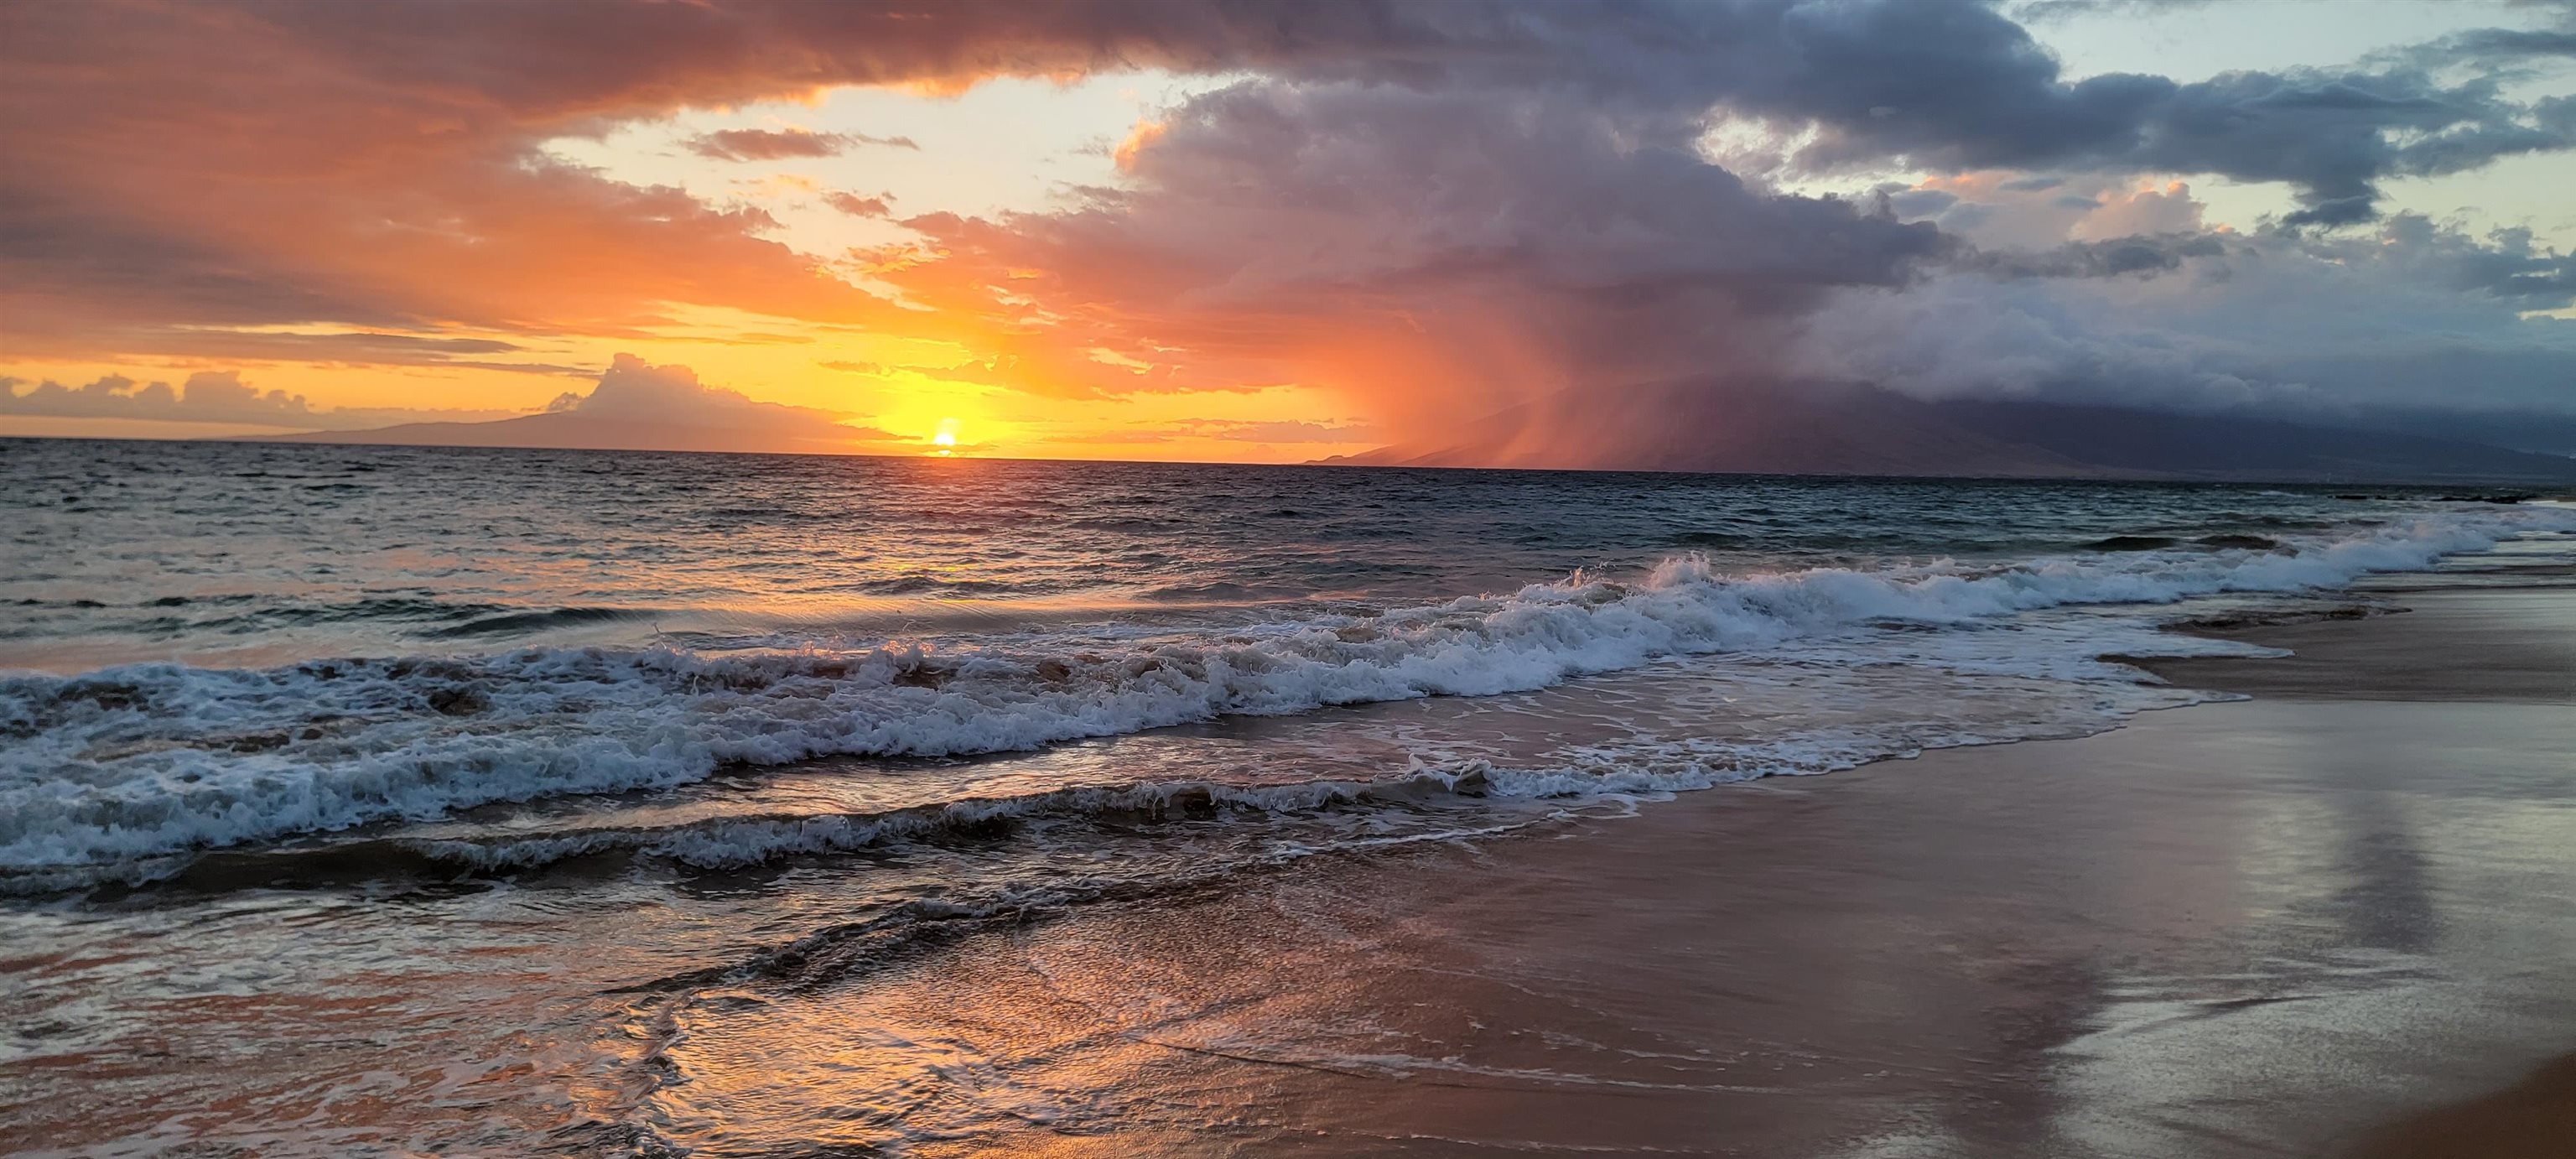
{"x":2286,"y":925}
{"x":2508,"y":642}
{"x":2325,"y":921}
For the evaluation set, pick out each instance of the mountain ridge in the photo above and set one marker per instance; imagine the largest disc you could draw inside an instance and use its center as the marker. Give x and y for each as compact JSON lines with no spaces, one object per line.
{"x":1795,"y":427}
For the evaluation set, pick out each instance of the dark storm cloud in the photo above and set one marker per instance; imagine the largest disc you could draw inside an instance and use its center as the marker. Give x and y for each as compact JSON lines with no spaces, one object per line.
{"x":1451,"y":249}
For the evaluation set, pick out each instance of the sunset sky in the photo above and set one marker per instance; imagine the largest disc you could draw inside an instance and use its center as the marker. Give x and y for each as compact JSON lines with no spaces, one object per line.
{"x":1268,"y":231}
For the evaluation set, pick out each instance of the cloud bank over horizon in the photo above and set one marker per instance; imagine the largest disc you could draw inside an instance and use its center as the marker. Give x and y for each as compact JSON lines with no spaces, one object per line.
{"x":632,"y":403}
{"x":207,"y":396}
{"x":1418,"y":208}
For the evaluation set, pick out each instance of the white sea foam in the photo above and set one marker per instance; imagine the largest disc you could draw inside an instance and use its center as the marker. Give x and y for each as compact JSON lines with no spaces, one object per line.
{"x":146,"y":760}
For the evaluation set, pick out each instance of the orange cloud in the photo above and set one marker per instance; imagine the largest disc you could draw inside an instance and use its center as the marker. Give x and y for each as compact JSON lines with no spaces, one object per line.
{"x":1440,"y":208}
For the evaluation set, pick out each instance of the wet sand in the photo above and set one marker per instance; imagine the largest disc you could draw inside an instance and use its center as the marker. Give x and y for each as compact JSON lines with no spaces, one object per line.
{"x":2331,"y":920}
{"x":2535,"y":1117}
{"x":2506,"y":645}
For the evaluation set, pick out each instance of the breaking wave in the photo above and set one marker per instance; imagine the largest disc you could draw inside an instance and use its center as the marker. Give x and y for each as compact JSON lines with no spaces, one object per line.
{"x":150,"y":760}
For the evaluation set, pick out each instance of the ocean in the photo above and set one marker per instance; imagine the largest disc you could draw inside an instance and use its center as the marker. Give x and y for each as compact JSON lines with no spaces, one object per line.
{"x":509,"y":762}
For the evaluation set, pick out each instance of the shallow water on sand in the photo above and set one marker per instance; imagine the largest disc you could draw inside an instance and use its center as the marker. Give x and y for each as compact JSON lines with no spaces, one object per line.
{"x":386,"y":799}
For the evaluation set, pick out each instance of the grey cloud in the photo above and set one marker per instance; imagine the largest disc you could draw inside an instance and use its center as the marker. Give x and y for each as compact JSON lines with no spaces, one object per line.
{"x":2116,"y":257}
{"x":633,"y":395}
{"x":357,"y":348}
{"x":1914,"y":203}
{"x":635,"y":405}
{"x":1491,"y":244}
{"x":55,"y":248}
{"x":2508,"y":267}
{"x":1958,"y":86}
{"x":2344,"y":327}
{"x":2335,"y":137}
{"x":2511,"y":43}
{"x":1952,"y":83}
{"x":857,"y":206}
{"x":206,"y":397}
{"x":2499,"y":48}
{"x":634,"y":390}
{"x":780,"y":144}
{"x":1558,"y":197}
{"x":1966,"y":215}
{"x":2043,"y":11}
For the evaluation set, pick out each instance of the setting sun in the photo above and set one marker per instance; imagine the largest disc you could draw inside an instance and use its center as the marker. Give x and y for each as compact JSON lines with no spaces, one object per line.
{"x":946,"y":437}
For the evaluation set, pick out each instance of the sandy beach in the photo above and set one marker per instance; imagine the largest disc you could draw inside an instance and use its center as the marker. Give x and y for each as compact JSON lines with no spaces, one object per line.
{"x":2326,"y":920}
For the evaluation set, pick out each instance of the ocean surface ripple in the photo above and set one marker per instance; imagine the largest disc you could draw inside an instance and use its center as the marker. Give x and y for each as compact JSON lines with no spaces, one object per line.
{"x":474,"y":802}
{"x":299,"y":642}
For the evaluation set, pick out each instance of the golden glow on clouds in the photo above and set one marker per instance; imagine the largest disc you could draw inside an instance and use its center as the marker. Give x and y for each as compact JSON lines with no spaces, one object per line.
{"x":919,"y":372}
{"x":952,"y":335}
